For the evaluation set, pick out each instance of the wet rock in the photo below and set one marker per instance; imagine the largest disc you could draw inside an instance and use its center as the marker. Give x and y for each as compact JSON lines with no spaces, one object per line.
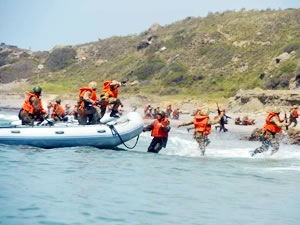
{"x":292,"y":136}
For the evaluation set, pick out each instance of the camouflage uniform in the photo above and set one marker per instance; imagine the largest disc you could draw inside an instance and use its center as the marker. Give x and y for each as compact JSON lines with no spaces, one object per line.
{"x":293,"y":119}
{"x":26,"y":117}
{"x":110,"y":101}
{"x":202,"y":140}
{"x":90,"y":111}
{"x":58,"y":116}
{"x":269,"y":139}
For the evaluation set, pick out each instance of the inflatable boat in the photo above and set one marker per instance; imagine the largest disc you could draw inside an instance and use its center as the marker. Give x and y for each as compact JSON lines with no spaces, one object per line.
{"x":109,"y":134}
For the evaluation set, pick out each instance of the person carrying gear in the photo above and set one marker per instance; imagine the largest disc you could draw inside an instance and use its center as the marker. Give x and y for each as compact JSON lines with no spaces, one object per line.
{"x":293,"y":115}
{"x":32,"y":110}
{"x":110,"y":96}
{"x":58,"y":112}
{"x":272,"y":127}
{"x":202,"y":124}
{"x":87,"y":105}
{"x":160,"y":129}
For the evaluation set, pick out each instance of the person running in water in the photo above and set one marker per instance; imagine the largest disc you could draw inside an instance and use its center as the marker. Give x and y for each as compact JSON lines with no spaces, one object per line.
{"x":272,"y":127}
{"x":160,"y":129}
{"x":202,"y":124}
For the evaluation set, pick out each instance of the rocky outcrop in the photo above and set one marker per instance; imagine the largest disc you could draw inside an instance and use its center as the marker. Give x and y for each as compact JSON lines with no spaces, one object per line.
{"x":258,"y":100}
{"x":292,"y":136}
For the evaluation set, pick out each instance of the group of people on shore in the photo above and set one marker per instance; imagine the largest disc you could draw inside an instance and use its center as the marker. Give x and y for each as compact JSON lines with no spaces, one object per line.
{"x":88,"y":110}
{"x":152,"y":112}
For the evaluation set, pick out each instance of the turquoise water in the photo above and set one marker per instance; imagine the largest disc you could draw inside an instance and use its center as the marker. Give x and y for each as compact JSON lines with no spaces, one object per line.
{"x":84,"y":185}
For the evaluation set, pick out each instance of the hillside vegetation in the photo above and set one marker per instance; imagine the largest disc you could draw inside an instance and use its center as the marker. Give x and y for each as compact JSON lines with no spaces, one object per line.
{"x":212,"y":56}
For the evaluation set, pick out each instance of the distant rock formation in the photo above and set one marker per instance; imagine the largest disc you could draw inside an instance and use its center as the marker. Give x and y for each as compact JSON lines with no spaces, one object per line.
{"x":259,"y":100}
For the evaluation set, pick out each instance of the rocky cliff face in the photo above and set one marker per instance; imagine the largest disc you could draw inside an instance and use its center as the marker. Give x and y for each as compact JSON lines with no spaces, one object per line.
{"x":259,"y":100}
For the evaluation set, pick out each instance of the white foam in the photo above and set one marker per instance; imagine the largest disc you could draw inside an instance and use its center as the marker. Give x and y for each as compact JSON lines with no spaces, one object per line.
{"x":9,"y":117}
{"x":186,"y":146}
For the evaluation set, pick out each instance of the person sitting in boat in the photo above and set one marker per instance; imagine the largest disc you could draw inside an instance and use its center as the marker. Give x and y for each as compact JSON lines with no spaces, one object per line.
{"x":68,"y":110}
{"x":160,"y":129}
{"x":109,"y":95}
{"x":49,"y":107}
{"x":32,"y":110}
{"x":88,"y":110}
{"x":75,"y":112}
{"x":58,"y":113}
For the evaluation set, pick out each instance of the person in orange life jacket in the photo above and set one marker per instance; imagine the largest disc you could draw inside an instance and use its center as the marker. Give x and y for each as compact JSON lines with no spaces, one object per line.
{"x":202,"y":125}
{"x":88,"y":110}
{"x":32,"y":110}
{"x":293,"y":116}
{"x":110,"y":96}
{"x":169,"y":110}
{"x":58,"y":113}
{"x":160,"y":129}
{"x":272,"y":127}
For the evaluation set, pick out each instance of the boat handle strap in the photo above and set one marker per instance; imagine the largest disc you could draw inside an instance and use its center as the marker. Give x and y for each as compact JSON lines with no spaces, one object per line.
{"x":113,"y":129}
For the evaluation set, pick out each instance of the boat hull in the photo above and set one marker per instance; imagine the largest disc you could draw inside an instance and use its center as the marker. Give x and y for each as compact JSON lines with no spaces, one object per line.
{"x":100,"y":136}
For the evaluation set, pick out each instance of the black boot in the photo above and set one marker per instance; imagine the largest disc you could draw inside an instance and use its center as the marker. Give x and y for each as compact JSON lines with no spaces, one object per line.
{"x":114,"y":113}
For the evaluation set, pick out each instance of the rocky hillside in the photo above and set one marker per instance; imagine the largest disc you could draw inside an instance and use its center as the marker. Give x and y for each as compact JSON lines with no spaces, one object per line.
{"x":212,"y":56}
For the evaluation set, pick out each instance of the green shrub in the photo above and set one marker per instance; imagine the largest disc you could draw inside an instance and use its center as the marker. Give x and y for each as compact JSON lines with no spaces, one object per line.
{"x":292,"y":47}
{"x":175,"y":78}
{"x":288,"y":67}
{"x":148,"y":68}
{"x":60,"y":58}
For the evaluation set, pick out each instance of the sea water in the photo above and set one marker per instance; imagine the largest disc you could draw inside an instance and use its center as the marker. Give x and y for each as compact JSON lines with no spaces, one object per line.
{"x":85,"y":185}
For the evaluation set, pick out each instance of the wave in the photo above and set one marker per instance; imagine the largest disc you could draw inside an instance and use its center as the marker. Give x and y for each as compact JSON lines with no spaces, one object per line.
{"x":8,"y":117}
{"x":223,"y":147}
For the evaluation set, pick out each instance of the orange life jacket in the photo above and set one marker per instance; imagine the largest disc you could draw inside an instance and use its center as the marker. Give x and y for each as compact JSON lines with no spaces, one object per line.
{"x":83,"y":90}
{"x":295,"y":112}
{"x":201,"y":124}
{"x":107,"y":90}
{"x":272,"y":126}
{"x":28,"y":107}
{"x":93,"y":95}
{"x":157,"y":130}
{"x":60,"y":108}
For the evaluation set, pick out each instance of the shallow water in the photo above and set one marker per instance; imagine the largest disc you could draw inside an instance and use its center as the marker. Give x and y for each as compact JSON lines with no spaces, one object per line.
{"x":85,"y":185}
